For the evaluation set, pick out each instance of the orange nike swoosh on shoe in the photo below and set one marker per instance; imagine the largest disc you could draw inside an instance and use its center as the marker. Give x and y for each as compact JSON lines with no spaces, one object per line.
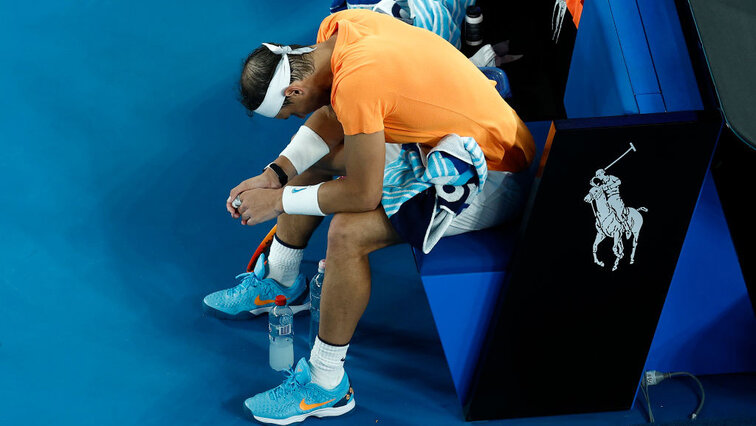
{"x":259,"y":302}
{"x":304,"y":406}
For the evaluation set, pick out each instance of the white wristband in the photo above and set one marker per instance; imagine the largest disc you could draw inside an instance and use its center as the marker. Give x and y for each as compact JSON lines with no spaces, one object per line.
{"x":302,"y":200}
{"x":305,"y":149}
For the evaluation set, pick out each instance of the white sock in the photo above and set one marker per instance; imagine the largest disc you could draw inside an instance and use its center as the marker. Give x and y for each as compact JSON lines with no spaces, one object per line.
{"x":327,"y":364}
{"x":283,"y":262}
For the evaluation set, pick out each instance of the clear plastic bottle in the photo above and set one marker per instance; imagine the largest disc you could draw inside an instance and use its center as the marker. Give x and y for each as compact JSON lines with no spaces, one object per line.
{"x":316,"y":286}
{"x":281,"y":335}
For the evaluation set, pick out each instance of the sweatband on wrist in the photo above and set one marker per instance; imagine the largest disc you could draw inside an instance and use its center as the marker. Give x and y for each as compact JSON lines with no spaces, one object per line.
{"x":302,"y":200}
{"x":305,"y":149}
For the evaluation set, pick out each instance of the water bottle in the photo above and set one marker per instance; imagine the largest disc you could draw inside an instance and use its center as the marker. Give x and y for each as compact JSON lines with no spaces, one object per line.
{"x":316,"y":285}
{"x":473,"y":37}
{"x":281,"y":335}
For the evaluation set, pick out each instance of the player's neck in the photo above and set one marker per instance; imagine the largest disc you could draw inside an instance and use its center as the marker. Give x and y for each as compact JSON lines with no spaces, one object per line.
{"x":321,"y":58}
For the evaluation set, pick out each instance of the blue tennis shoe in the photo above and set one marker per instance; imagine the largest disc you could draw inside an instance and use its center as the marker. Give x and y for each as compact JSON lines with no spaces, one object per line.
{"x":255,"y":295}
{"x":297,"y":398}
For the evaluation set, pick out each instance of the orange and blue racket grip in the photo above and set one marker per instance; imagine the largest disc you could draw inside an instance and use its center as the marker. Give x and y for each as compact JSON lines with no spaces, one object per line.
{"x":264,"y":244}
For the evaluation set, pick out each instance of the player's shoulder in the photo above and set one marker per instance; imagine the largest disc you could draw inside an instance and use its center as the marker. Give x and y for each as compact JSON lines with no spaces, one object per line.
{"x":360,"y":68}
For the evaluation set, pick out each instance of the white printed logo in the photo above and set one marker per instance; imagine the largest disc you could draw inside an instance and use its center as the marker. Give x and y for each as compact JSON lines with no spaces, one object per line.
{"x":613,"y":219}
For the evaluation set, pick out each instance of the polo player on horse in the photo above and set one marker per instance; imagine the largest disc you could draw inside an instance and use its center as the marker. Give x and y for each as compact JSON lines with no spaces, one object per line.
{"x":610,"y":185}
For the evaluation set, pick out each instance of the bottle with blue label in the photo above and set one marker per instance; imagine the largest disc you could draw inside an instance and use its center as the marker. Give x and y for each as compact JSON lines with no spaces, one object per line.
{"x":316,"y":286}
{"x":281,"y":335}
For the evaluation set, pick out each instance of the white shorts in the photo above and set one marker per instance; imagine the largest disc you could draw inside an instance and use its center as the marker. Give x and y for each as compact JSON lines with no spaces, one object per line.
{"x":502,"y":199}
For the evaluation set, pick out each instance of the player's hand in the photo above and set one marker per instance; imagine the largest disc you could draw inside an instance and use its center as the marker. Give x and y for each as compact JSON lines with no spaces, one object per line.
{"x":260,"y":205}
{"x":265,"y":180}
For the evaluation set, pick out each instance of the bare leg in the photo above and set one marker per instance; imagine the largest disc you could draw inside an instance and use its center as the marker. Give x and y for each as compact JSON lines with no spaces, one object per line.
{"x":346,"y":288}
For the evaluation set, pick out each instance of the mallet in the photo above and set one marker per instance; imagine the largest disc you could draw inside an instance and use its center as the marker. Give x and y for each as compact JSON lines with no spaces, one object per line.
{"x":632,"y":148}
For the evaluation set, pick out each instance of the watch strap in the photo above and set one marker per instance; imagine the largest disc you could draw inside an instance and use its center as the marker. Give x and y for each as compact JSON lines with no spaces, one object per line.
{"x":282,"y":177}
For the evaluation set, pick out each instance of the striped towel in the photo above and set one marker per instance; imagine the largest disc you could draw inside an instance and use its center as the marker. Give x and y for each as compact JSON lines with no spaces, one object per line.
{"x":425,"y":189}
{"x":443,"y":17}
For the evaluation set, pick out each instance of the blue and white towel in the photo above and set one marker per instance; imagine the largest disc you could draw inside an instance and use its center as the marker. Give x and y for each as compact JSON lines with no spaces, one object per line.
{"x":426,"y":188}
{"x":443,"y":17}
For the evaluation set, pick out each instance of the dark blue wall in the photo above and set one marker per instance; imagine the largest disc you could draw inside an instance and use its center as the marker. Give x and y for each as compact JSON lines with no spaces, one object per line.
{"x":121,"y":137}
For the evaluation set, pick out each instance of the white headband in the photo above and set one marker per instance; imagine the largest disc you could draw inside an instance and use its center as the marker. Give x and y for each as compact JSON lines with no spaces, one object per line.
{"x":274,"y":97}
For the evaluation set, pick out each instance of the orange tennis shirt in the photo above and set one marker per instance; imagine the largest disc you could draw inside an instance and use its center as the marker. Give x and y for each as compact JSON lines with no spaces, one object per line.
{"x":417,"y":87}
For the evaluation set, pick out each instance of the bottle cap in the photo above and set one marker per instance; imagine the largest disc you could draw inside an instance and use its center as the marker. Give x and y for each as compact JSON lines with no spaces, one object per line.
{"x":473,"y":11}
{"x":280,"y":300}
{"x":321,"y":266}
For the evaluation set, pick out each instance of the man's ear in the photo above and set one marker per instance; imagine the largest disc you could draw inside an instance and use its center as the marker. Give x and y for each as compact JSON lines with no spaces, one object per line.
{"x":294,"y":89}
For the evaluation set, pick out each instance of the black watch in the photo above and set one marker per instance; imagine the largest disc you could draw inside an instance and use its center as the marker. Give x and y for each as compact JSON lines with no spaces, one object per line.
{"x":279,"y":171}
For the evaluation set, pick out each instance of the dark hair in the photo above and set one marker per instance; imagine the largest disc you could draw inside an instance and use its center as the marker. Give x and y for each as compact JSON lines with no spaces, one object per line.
{"x":258,"y":70}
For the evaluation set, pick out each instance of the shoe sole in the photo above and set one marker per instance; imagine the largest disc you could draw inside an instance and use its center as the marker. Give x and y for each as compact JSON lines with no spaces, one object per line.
{"x":244,"y":315}
{"x":323,"y":412}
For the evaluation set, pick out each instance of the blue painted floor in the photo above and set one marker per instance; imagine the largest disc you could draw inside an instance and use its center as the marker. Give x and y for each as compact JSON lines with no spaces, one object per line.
{"x":121,"y":137}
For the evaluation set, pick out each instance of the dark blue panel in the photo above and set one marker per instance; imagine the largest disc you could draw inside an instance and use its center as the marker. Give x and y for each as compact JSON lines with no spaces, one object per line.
{"x":462,"y":318}
{"x":632,"y":39}
{"x":598,"y":83}
{"x":650,"y":103}
{"x":670,"y":55}
{"x":483,"y":251}
{"x":707,"y":324}
{"x":631,"y":120}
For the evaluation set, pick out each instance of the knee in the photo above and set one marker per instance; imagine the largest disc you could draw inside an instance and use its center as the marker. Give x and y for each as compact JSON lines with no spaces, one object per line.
{"x":344,"y":235}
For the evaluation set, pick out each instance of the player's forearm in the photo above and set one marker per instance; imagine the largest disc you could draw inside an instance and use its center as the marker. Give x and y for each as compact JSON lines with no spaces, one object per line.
{"x":348,"y":195}
{"x":362,"y":187}
{"x":286,"y":166}
{"x":359,"y":191}
{"x":321,"y":133}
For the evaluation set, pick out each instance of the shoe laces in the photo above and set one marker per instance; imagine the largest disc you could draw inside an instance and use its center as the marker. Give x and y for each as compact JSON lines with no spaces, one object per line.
{"x":249,"y":279}
{"x":289,"y":385}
